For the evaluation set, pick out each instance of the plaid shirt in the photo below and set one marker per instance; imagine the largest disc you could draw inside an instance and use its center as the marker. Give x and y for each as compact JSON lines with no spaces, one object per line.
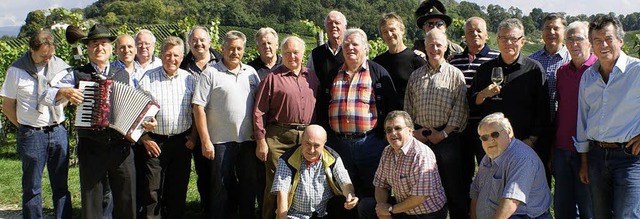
{"x":174,"y":96}
{"x":412,"y":172}
{"x":353,"y":108}
{"x":437,"y":97}
{"x":313,"y":192}
{"x":550,"y":64}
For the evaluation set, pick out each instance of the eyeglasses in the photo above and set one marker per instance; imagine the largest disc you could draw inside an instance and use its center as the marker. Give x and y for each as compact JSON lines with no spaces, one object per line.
{"x":433,"y":24}
{"x":390,"y":130}
{"x":575,"y":39}
{"x":505,"y":39}
{"x":143,"y":44}
{"x":493,"y":135}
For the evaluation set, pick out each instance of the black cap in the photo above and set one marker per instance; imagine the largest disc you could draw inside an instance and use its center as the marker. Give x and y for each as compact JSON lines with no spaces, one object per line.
{"x":98,"y":32}
{"x":431,"y":9}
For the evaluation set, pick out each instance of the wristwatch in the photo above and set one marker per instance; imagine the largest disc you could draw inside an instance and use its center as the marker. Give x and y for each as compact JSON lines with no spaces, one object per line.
{"x":390,"y":209}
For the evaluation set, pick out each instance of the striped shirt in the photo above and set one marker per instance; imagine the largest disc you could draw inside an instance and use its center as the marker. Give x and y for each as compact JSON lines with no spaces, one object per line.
{"x":550,"y":64}
{"x":313,"y":191}
{"x":173,"y":93}
{"x":353,"y":108}
{"x":468,"y":63}
{"x":437,"y":97}
{"x":412,"y":171}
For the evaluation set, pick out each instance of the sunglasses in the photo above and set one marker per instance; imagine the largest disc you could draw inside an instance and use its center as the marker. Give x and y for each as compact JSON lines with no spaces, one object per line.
{"x":434,"y":24}
{"x":390,"y":130}
{"x":493,"y":135}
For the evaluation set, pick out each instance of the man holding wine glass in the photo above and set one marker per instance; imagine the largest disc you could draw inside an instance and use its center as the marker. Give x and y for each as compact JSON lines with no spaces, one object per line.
{"x":521,"y":94}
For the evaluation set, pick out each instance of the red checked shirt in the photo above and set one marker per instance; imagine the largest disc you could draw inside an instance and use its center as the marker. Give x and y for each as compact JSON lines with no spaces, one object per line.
{"x":411,"y":171}
{"x":352,"y":108}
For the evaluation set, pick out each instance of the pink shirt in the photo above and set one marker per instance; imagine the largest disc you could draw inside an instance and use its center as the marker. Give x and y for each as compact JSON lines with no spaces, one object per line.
{"x":568,"y":82}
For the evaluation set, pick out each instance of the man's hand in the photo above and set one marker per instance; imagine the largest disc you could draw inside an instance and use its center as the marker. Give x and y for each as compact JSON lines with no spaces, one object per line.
{"x":351,"y":201}
{"x":191,"y":142}
{"x":151,"y":146}
{"x":418,"y":135}
{"x":634,"y":143}
{"x":436,"y":136}
{"x":421,"y":54}
{"x":150,"y":125}
{"x":74,"y":96}
{"x":487,"y":92}
{"x":262,"y":149}
{"x":208,"y":150}
{"x":382,"y":210}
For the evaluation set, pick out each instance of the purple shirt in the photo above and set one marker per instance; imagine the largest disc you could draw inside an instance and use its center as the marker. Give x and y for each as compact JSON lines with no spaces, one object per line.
{"x":284,"y":97}
{"x":568,"y":82}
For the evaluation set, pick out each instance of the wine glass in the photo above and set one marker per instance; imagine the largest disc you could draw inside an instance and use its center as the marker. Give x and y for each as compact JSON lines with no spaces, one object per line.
{"x":497,"y":78}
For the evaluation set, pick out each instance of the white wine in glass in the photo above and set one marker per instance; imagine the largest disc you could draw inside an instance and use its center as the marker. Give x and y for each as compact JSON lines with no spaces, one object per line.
{"x":497,"y":77}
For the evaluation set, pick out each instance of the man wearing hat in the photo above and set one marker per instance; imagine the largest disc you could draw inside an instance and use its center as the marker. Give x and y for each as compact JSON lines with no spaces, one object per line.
{"x":41,"y":139}
{"x":103,"y":154}
{"x":432,"y":14}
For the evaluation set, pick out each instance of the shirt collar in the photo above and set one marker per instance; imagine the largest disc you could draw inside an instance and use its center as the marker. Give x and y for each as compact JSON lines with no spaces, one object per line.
{"x":621,"y":63}
{"x":363,"y":67}
{"x":223,"y":68}
{"x":333,"y":52}
{"x":104,"y":71}
{"x":483,"y":52}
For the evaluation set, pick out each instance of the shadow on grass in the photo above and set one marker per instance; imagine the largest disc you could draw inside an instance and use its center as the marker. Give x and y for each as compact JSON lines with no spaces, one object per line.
{"x":9,"y":155}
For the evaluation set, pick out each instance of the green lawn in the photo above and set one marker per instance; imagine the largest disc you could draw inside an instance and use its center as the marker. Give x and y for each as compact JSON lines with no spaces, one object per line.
{"x":10,"y":185}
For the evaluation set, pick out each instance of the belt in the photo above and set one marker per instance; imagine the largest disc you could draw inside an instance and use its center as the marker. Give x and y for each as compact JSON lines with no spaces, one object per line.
{"x":43,"y":128}
{"x":296,"y":126}
{"x":350,"y":136}
{"x":167,"y":137}
{"x":609,"y":145}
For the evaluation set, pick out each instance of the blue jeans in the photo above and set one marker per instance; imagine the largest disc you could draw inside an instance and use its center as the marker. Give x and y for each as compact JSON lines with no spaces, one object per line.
{"x":361,"y":157}
{"x":37,"y":148}
{"x":569,"y":191}
{"x":614,"y":180}
{"x":234,"y":180}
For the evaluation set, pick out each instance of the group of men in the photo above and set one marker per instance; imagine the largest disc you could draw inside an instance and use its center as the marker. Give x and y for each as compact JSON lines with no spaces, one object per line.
{"x":563,"y":112}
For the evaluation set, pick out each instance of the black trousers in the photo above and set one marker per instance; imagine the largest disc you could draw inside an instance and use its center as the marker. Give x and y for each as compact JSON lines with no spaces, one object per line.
{"x":166,"y":178}
{"x":105,"y":156}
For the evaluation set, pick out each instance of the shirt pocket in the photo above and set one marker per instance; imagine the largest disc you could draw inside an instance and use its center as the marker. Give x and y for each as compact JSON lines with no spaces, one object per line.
{"x":496,"y":186}
{"x":364,"y":93}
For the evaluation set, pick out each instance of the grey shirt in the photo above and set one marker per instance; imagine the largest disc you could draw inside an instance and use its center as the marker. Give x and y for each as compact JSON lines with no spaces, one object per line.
{"x":517,"y":174}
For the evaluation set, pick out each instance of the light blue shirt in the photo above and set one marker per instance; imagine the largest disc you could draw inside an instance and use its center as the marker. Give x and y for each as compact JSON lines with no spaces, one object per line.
{"x":516,"y":174}
{"x":609,"y":112}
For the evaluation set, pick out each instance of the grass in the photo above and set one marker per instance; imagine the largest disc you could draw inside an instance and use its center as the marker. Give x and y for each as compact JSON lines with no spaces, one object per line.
{"x":10,"y":189}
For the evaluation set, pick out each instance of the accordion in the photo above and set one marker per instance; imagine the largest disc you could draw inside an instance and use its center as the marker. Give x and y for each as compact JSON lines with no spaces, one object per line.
{"x":116,"y":105}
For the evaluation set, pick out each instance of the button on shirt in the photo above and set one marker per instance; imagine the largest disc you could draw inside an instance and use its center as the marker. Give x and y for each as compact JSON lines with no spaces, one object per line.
{"x":517,"y":174}
{"x":228,"y":100}
{"x":551,"y":63}
{"x":173,"y":94}
{"x":313,"y":191}
{"x":284,"y":97}
{"x":608,"y":112}
{"x":437,"y":97}
{"x":411,"y":172}
{"x":353,"y":108}
{"x":567,"y":88}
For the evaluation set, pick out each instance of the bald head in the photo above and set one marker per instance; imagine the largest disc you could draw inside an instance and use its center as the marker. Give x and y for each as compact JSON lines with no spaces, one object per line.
{"x":475,"y":34}
{"x":125,"y":48}
{"x":313,"y":140}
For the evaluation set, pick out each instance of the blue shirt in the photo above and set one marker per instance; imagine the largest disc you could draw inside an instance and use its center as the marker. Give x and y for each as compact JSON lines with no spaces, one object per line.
{"x":609,"y":112}
{"x":550,"y":64}
{"x":517,"y":174}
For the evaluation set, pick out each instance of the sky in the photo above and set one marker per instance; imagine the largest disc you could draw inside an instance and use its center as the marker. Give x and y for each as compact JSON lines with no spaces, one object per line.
{"x":14,"y":12}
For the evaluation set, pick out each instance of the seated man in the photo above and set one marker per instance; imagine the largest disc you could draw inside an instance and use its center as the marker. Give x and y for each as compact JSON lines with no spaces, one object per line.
{"x":511,"y":181}
{"x":301,"y":188}
{"x":409,"y":168}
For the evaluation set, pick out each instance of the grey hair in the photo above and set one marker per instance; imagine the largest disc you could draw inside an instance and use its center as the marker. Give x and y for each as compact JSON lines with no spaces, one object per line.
{"x":435,"y":31}
{"x":361,"y":33}
{"x":234,"y":35}
{"x":341,"y":15}
{"x":205,"y":29}
{"x":145,"y":31}
{"x":498,"y":119}
{"x":265,"y":30}
{"x":294,"y":38}
{"x":400,"y":114}
{"x":602,"y":21}
{"x":172,"y":41}
{"x":511,"y":23}
{"x":578,"y":25}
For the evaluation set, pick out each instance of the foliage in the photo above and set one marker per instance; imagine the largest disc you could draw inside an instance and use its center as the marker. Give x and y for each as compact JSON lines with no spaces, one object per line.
{"x":35,"y":22}
{"x":376,"y":47}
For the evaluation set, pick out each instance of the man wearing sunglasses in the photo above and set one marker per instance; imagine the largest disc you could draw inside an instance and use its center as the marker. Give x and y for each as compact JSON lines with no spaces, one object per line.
{"x":429,"y":15}
{"x":511,"y":181}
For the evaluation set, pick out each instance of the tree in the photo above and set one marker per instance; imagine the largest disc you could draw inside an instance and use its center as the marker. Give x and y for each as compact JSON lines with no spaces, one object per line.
{"x":496,"y":15}
{"x":515,"y":12}
{"x":35,"y":22}
{"x":537,"y":15}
